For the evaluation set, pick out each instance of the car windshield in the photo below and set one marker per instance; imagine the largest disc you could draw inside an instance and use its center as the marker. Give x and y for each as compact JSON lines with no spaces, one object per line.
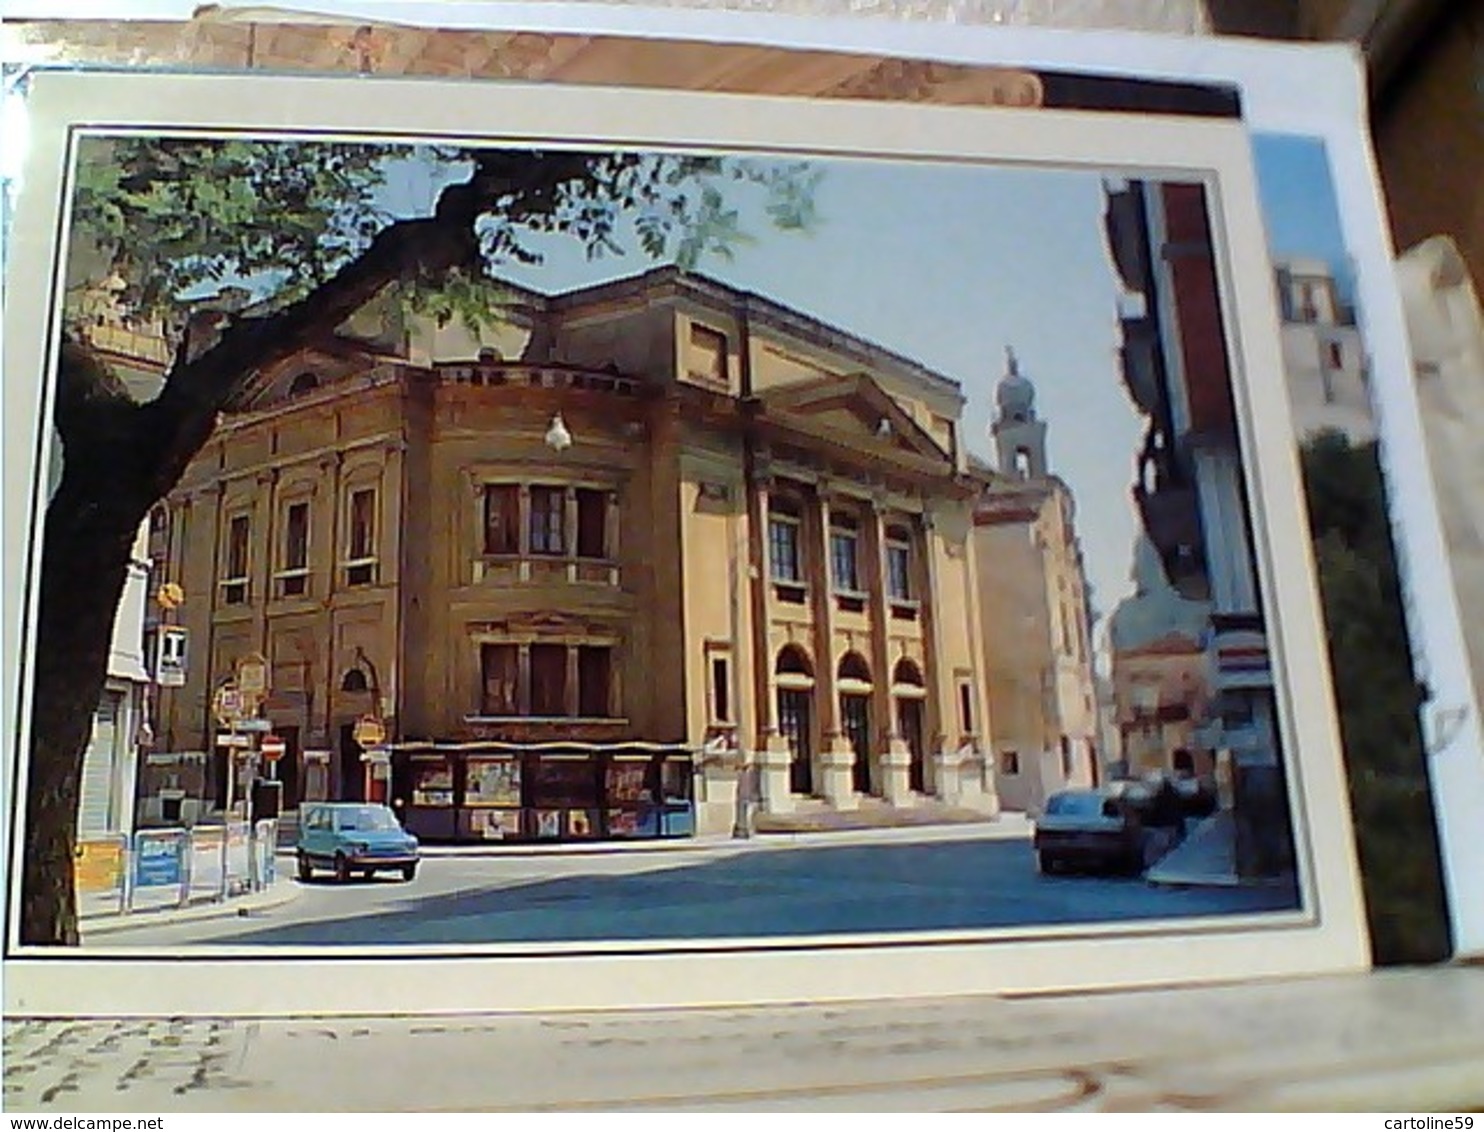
{"x":1075,"y":805}
{"x":371,"y":818}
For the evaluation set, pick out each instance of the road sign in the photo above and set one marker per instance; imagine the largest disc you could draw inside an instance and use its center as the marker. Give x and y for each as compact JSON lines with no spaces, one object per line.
{"x":252,"y":675}
{"x":170,"y":656}
{"x":226,"y":705}
{"x":170,"y":596}
{"x":369,"y":731}
{"x":272,"y":748}
{"x":232,"y":739}
{"x":263,"y":725}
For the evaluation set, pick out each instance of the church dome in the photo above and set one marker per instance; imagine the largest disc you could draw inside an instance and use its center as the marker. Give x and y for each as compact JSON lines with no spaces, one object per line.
{"x":1015,"y":395}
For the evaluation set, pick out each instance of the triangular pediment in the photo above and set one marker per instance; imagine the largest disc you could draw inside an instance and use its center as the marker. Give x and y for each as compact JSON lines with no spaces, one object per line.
{"x":309,"y":371}
{"x":853,"y":409}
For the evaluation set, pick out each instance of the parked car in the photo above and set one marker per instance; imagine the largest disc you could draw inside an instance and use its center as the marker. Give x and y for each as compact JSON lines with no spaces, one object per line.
{"x":354,"y":837}
{"x":1097,"y":829}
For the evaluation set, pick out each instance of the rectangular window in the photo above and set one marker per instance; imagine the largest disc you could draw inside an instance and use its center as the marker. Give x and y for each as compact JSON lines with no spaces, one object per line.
{"x":592,"y":523}
{"x":966,"y":707}
{"x":1009,"y":762}
{"x":501,"y":518}
{"x":783,"y":549}
{"x":947,"y":435}
{"x":1334,"y":355}
{"x":721,"y":689}
{"x":234,"y":581}
{"x":549,"y":680}
{"x":1308,"y":309}
{"x":360,"y":565}
{"x":843,"y":556}
{"x":594,"y":679}
{"x":548,"y":520}
{"x":708,"y":355}
{"x":899,"y":570}
{"x":295,"y":549}
{"x":501,"y":680}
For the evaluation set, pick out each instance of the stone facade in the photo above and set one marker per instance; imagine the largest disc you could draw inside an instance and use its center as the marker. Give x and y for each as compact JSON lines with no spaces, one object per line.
{"x":1034,"y":616}
{"x":651,"y":517}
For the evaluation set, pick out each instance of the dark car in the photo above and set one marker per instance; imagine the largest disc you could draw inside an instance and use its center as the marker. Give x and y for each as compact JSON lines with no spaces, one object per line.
{"x":1090,"y":830}
{"x":354,"y":837}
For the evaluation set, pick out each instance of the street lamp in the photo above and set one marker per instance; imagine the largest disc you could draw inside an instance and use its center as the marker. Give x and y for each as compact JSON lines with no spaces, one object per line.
{"x":558,"y":438}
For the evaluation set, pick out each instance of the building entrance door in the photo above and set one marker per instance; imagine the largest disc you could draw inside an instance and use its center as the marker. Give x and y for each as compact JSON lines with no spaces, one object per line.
{"x":288,"y":767}
{"x":350,"y":773}
{"x":795,"y":720}
{"x":855,"y":717}
{"x":909,"y":725}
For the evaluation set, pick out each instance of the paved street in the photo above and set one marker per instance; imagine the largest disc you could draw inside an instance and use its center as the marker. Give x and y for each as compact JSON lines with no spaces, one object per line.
{"x":757,"y":888}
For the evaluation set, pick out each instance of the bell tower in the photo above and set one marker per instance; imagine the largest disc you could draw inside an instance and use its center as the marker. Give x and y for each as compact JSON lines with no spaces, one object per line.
{"x":1020,"y":438}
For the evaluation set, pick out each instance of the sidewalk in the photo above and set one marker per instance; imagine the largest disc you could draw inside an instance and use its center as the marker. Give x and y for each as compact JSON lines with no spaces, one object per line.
{"x":1008,"y":826}
{"x":1402,"y":1041}
{"x":1208,"y":856}
{"x":283,"y":890}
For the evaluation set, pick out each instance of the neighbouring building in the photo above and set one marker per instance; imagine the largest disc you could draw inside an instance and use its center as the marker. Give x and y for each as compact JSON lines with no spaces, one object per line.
{"x":1161,"y":686}
{"x":1323,"y":354}
{"x":593,"y":566}
{"x":1033,"y":611}
{"x":1189,"y":486}
{"x":110,"y":766}
{"x":121,"y":724}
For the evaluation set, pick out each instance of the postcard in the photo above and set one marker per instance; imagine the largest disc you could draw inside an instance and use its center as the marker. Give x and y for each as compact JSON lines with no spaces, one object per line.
{"x":769,"y":548}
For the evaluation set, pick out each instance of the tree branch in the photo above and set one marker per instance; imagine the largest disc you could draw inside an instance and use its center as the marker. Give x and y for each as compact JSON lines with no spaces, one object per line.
{"x":184,"y":414}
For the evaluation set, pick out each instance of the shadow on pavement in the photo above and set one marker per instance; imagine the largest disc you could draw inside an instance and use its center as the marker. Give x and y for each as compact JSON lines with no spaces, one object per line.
{"x":850,"y":889}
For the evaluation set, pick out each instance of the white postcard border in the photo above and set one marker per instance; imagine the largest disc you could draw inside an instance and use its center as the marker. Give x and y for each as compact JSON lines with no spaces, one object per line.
{"x":1333,"y":940}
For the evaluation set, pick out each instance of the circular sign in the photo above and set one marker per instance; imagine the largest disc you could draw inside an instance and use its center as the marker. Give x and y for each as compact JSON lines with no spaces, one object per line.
{"x":369,"y":731}
{"x":170,"y":596}
{"x":272,"y":748}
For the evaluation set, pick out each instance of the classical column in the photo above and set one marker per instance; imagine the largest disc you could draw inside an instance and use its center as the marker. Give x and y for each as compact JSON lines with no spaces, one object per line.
{"x":836,"y":756}
{"x":895,"y":758}
{"x":610,"y":537}
{"x":523,"y":536}
{"x":573,"y":700}
{"x":943,"y":703}
{"x":569,"y":531}
{"x":773,"y":752}
{"x":523,"y":678}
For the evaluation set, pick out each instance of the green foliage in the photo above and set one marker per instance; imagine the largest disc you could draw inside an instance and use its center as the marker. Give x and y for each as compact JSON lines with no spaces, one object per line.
{"x":165,"y":215}
{"x":1378,"y":700}
{"x":169,"y":216}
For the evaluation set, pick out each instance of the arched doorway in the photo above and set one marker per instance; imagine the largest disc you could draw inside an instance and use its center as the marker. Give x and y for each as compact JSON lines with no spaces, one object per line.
{"x":794,"y":676}
{"x":853,"y":680}
{"x":909,"y":693}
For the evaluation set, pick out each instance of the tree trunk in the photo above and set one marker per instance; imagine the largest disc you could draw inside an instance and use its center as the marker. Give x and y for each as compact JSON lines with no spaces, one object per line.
{"x":90,"y":528}
{"x":120,"y":458}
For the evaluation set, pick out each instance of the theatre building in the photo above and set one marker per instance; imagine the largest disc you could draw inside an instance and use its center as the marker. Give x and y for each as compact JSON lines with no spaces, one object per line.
{"x":592,"y":569}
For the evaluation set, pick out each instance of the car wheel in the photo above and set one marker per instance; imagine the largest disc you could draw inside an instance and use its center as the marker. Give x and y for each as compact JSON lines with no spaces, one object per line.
{"x":409,"y":871}
{"x":342,"y":868}
{"x":306,"y":870}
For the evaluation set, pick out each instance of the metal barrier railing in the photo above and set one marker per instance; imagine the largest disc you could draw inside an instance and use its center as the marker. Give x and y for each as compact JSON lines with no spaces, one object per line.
{"x":161,"y":874}
{"x":100,"y":872}
{"x":173,"y":867}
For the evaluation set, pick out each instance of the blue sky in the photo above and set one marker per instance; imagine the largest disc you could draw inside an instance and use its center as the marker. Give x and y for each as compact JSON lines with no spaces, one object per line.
{"x":1299,"y":202}
{"x":950,"y":263}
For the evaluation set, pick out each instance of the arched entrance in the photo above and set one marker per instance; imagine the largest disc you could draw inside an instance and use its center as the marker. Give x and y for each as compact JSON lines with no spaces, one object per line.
{"x":853,"y":680}
{"x":909,"y":694}
{"x":794,"y":676}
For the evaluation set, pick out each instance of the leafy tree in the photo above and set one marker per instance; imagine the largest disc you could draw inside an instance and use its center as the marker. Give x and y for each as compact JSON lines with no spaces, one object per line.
{"x":302,"y":224}
{"x":1378,"y":699}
